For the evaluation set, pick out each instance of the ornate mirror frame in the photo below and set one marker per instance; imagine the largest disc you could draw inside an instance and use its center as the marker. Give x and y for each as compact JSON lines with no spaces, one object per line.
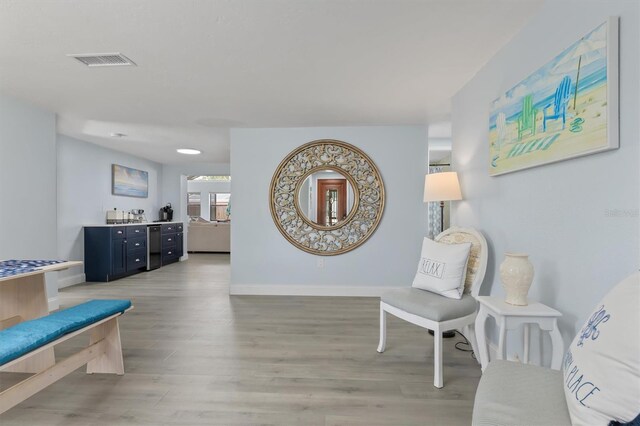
{"x":361,"y":221}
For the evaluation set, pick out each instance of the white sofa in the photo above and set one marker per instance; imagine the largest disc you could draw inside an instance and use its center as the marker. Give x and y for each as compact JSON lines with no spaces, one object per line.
{"x":209,"y":237}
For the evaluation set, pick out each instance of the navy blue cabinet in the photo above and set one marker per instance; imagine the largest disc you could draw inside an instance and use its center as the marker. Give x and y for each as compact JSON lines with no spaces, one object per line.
{"x":118,"y":258}
{"x":171,"y":242}
{"x":112,"y":252}
{"x":180,"y":244}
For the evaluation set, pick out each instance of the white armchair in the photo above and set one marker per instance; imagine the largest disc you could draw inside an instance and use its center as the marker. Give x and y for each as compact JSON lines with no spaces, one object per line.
{"x":439,"y":313}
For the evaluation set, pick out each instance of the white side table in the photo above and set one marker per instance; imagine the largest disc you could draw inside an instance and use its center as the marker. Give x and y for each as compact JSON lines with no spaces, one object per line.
{"x":509,"y":317}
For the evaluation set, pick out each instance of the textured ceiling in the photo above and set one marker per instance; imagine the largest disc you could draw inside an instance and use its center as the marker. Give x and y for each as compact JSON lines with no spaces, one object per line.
{"x":205,"y":66}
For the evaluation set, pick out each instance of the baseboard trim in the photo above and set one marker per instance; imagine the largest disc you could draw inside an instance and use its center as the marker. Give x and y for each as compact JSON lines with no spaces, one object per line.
{"x":71,"y":280}
{"x":53,"y":303}
{"x":305,"y":290}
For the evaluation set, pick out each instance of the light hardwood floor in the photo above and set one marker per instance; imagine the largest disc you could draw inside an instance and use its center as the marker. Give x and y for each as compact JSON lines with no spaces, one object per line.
{"x":193,"y":355}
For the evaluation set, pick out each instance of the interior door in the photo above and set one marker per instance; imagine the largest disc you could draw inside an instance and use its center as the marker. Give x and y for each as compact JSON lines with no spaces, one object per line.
{"x":332,"y":201}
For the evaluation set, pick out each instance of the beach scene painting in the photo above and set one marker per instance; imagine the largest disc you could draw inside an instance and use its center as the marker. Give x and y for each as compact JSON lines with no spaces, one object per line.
{"x":567,"y":108}
{"x":130,"y":182}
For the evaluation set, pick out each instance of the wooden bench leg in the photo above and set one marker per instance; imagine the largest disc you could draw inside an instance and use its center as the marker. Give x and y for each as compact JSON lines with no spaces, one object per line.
{"x":23,"y":390}
{"x":22,"y":299}
{"x":111,"y":360}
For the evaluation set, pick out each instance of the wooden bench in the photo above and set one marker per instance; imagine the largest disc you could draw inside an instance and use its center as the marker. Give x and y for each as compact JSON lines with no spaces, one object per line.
{"x":28,"y":339}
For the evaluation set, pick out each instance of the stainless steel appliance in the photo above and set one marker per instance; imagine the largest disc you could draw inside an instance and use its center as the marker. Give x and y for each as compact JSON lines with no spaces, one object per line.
{"x":138,"y":216}
{"x":154,"y":247}
{"x":166,"y":213}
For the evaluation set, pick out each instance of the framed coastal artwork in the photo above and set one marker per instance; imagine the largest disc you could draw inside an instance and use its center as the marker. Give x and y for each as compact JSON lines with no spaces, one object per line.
{"x":566,"y":109}
{"x":129,"y":182}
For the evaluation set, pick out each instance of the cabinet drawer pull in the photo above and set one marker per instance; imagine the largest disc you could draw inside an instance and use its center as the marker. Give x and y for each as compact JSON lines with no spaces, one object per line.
{"x":137,"y":244}
{"x":119,"y":232}
{"x":137,"y":260}
{"x":168,"y":239}
{"x":137,"y":230}
{"x":168,"y":252}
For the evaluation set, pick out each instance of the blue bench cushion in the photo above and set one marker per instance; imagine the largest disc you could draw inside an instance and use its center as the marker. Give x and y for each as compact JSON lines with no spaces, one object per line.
{"x":26,"y":336}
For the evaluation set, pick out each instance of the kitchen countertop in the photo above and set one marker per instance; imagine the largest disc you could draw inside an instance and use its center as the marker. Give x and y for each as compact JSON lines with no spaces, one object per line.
{"x":111,"y":225}
{"x":209,"y":223}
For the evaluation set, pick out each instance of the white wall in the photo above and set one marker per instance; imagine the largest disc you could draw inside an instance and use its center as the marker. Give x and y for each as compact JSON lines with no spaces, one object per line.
{"x":84,"y":195}
{"x":204,"y":187}
{"x":265,"y":262}
{"x":557,"y":213}
{"x":28,"y":185}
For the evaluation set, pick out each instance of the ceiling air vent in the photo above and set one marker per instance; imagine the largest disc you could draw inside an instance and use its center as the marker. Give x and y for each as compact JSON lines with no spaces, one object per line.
{"x":103,"y":59}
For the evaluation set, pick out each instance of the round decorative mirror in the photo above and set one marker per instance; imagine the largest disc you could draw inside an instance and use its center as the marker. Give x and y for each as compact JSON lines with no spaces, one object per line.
{"x":327,"y":197}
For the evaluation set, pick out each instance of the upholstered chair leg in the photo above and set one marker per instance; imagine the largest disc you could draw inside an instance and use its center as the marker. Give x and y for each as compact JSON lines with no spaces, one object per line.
{"x":383,"y":329}
{"x":437,"y":357}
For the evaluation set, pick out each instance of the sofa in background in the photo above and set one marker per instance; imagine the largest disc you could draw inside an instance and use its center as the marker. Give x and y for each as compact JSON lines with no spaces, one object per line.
{"x":209,"y":237}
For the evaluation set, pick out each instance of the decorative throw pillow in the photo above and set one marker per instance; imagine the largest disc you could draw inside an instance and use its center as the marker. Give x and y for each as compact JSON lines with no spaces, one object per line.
{"x":474,"y":263}
{"x":442,"y":268}
{"x":602,"y":365}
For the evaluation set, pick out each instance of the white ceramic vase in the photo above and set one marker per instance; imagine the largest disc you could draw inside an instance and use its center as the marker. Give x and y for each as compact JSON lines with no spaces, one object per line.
{"x":516,"y":274}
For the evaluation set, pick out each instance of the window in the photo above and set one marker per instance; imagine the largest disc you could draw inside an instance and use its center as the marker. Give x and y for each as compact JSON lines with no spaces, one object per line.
{"x":193,"y":203}
{"x":218,"y":204}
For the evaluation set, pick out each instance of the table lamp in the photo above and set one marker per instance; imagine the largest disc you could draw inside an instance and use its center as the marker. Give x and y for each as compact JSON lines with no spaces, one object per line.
{"x":443,"y":186}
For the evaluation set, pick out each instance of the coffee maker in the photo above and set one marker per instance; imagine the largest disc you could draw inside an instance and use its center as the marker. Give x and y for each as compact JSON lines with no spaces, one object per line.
{"x":166,"y":213}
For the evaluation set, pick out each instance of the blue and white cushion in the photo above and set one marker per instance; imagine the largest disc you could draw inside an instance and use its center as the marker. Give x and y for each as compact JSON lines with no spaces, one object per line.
{"x":15,"y":267}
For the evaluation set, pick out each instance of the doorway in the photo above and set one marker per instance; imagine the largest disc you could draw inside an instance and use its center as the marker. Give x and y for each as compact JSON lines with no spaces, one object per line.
{"x":332,"y":201}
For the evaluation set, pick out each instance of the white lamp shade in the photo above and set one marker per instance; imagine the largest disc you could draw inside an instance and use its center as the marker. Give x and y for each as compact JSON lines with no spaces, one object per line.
{"x":442,"y":186}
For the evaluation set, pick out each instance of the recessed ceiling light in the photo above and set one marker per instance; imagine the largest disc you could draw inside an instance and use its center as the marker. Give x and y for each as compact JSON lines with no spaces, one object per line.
{"x":188,"y":151}
{"x":117,"y":135}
